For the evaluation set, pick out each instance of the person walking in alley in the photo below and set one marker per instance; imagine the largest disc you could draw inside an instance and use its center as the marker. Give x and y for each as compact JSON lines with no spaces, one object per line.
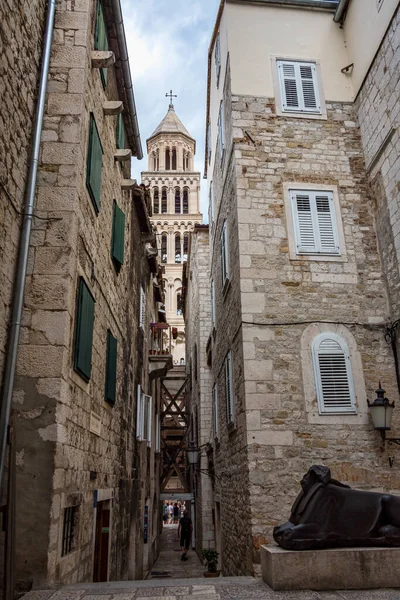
{"x":176,"y":513}
{"x":185,"y":529}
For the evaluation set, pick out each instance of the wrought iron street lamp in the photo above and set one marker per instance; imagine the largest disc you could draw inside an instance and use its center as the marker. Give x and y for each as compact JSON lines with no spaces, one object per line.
{"x":381,"y":413}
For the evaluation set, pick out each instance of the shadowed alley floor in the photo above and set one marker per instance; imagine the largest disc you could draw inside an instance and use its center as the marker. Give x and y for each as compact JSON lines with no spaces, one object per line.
{"x":169,"y":562}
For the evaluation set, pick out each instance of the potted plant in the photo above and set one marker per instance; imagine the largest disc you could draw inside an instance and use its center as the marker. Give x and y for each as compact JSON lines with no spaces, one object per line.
{"x":210,"y":557}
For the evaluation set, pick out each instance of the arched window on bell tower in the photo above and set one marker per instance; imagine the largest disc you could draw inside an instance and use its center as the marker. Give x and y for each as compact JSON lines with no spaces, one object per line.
{"x":174,"y":159}
{"x":164,"y":255}
{"x":178,"y":208}
{"x":187,"y":159}
{"x":167,"y":159}
{"x":164,"y":208}
{"x":185,"y":246}
{"x":157,"y":167}
{"x":186,"y":201}
{"x":156,"y":202}
{"x":178,"y":248}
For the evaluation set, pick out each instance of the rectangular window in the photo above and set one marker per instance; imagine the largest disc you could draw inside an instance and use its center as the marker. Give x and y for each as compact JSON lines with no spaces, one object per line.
{"x":314,"y":222}
{"x":139,"y":413}
{"x":229,"y":395}
{"x":215,"y":411}
{"x":213,"y":320}
{"x":68,"y":530}
{"x":84,"y":331}
{"x":298,"y":86}
{"x":209,"y":142}
{"x":118,"y":237}
{"x":217,"y":58}
{"x":142,"y":308}
{"x":94,"y":164}
{"x":224,"y":254}
{"x":120,"y":133}
{"x":100,"y":38}
{"x":221,"y":137}
{"x":111,"y":368}
{"x":143,"y":416}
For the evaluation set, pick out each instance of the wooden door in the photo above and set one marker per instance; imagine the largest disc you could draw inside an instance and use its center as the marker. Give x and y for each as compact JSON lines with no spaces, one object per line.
{"x":100,"y":568}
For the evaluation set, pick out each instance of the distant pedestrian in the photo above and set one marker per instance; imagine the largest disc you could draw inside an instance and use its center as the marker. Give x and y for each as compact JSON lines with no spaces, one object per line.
{"x":170,"y":512}
{"x":185,"y":533}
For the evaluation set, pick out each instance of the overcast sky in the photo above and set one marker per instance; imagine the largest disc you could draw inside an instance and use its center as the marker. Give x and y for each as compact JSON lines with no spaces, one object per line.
{"x":168,"y":43}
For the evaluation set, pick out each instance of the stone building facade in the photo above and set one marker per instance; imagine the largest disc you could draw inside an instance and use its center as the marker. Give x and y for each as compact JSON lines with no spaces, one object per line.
{"x":197,"y":301}
{"x":87,"y":392}
{"x":300,"y":280}
{"x":175,"y":195}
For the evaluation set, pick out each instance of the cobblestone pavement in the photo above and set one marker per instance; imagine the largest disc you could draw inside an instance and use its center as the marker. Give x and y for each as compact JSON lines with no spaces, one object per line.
{"x":169,"y":562}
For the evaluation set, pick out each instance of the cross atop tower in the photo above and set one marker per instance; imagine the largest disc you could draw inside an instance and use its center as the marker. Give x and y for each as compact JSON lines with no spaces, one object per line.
{"x":171,"y":95}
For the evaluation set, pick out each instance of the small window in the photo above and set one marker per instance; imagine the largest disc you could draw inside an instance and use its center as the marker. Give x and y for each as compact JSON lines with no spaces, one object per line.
{"x":94,"y":164}
{"x":333,"y":375}
{"x":229,"y":396}
{"x":111,"y":369}
{"x":164,"y":208}
{"x":142,"y":308}
{"x":156,"y":202}
{"x":209,"y":142}
{"x":224,"y":254}
{"x":179,"y":304}
{"x":217,"y":58}
{"x":69,"y":524}
{"x":185,"y":201}
{"x":174,"y":159}
{"x":298,"y":86}
{"x":120,"y":133}
{"x":213,"y":321}
{"x":100,"y":39}
{"x":164,"y":255}
{"x":178,"y":256}
{"x":221,"y":136}
{"x":84,"y":331}
{"x":118,"y":237}
{"x":215,"y":411}
{"x":314,"y":222}
{"x":167,"y":159}
{"x":178,"y":207}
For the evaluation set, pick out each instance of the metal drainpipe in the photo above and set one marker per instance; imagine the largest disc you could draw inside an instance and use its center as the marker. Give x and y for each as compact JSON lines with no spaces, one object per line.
{"x":18,"y":299}
{"x":340,"y":13}
{"x":119,"y":24}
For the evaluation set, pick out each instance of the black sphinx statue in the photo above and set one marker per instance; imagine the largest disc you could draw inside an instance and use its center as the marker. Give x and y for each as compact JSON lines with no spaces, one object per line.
{"x":329,"y":514}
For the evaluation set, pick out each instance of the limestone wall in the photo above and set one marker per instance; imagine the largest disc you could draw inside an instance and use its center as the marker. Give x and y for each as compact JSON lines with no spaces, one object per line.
{"x":57,"y":446}
{"x":378,"y":110}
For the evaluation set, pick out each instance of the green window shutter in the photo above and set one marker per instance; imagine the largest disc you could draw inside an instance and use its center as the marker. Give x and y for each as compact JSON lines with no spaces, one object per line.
{"x":94,"y":164}
{"x":111,"y":368}
{"x":84,"y":331}
{"x":118,"y":237}
{"x":100,"y":39}
{"x":120,"y":132}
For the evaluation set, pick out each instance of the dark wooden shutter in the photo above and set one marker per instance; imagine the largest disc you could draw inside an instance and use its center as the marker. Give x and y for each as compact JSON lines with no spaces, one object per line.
{"x":100,"y":38}
{"x":94,"y":164}
{"x":118,"y":237}
{"x":111,"y":368}
{"x":120,"y":132}
{"x":84,"y":331}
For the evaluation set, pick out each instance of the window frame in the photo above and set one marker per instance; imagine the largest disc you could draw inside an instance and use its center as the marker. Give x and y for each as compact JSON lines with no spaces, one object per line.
{"x":209,"y":147}
{"x":118,"y":237}
{"x":290,"y":187}
{"x":221,"y":132}
{"x":93,"y":131}
{"x":79,"y":338}
{"x":214,"y":395}
{"x":322,"y":409}
{"x":101,"y":46}
{"x":68,"y":531}
{"x":110,"y":387}
{"x":229,"y":398}
{"x":318,"y":88}
{"x":224,"y":254}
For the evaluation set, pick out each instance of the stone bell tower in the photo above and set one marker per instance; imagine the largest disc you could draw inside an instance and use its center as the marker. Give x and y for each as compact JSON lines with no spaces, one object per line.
{"x":175,"y":194}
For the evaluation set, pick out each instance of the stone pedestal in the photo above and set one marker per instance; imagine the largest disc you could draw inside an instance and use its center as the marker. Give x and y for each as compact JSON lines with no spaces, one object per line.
{"x":334,"y":569}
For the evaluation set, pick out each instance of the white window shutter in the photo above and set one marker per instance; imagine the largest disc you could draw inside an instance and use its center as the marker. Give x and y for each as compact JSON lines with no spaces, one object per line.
{"x":149,"y":404}
{"x":334,"y":381}
{"x":303,"y":222}
{"x":299,"y":86}
{"x":142,"y":308}
{"x":327,"y":230}
{"x":139,"y":414}
{"x":221,"y":140}
{"x":224,"y":254}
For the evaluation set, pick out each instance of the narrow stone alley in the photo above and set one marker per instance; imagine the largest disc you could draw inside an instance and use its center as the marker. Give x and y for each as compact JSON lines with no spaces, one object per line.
{"x":169,"y":562}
